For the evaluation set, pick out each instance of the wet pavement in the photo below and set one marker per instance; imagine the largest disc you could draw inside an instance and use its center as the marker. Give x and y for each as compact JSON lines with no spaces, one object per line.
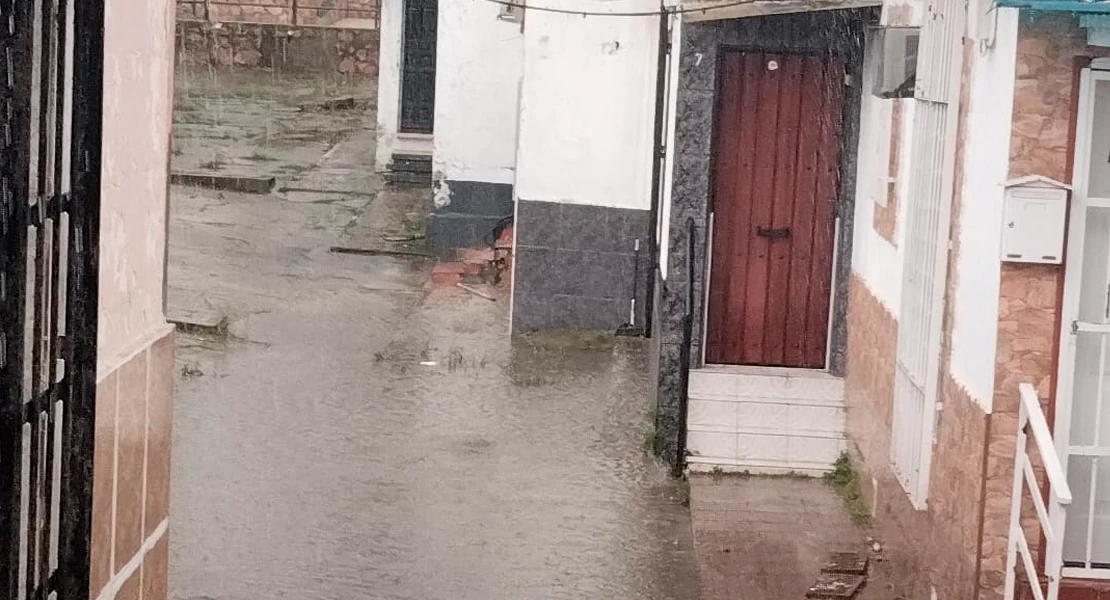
{"x":352,"y":433}
{"x":766,"y":538}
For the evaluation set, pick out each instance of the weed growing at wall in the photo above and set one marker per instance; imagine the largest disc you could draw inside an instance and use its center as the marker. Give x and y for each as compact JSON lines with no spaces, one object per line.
{"x":845,"y":480}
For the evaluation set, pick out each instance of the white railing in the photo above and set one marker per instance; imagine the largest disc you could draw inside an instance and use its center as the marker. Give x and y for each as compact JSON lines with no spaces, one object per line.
{"x":1031,"y":420}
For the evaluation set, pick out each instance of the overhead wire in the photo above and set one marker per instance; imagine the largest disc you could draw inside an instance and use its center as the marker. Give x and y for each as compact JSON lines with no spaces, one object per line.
{"x":644,"y":13}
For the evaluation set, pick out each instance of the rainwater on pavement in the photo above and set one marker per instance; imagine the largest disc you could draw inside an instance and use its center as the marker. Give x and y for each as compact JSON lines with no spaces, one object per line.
{"x":346,"y":431}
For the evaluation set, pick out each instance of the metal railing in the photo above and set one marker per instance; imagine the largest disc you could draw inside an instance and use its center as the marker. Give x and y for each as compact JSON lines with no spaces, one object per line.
{"x":292,"y":12}
{"x":1031,"y":420}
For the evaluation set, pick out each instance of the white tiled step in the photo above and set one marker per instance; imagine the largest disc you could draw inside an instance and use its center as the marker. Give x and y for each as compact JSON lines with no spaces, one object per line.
{"x":734,"y":383}
{"x":761,"y":416}
{"x":753,"y":449}
{"x":764,"y":420}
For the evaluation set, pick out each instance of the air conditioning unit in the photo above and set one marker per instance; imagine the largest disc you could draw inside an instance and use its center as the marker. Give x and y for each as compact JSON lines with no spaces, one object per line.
{"x":895,"y":68}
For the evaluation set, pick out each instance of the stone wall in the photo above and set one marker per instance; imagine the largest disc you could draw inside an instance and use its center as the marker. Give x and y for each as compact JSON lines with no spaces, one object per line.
{"x":309,"y":12}
{"x":280,"y":47}
{"x":937,"y":546}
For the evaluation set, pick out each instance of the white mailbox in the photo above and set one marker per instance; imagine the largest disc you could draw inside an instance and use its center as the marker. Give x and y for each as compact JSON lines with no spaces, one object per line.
{"x":1033,"y":219}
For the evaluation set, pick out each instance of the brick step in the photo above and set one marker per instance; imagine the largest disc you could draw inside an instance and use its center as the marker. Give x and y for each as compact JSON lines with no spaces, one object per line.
{"x":403,"y":178}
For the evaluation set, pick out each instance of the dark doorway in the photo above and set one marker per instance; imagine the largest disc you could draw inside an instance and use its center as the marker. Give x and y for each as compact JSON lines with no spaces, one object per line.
{"x":418,"y":71}
{"x":49,"y":223}
{"x":776,"y":183}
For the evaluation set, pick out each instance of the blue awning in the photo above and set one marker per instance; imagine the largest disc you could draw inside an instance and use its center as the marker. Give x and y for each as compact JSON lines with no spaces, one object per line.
{"x":1098,"y":7}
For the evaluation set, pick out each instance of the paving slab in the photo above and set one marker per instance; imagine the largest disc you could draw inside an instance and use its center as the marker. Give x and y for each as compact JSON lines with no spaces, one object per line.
{"x":766,"y":538}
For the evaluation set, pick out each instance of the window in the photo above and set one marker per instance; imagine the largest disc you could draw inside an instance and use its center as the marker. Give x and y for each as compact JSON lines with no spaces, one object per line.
{"x":895,"y":71}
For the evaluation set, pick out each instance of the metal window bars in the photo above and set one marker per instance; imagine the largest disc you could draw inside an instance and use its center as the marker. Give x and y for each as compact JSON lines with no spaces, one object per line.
{"x":50,"y":73}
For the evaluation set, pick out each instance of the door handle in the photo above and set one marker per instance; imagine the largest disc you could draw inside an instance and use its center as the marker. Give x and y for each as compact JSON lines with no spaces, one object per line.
{"x":769,"y":232}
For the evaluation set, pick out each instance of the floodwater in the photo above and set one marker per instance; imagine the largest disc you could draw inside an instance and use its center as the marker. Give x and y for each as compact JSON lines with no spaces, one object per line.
{"x":353,"y":433}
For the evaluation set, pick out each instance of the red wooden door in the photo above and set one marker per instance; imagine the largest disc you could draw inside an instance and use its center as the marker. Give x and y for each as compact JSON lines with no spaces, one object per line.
{"x":775,"y":184}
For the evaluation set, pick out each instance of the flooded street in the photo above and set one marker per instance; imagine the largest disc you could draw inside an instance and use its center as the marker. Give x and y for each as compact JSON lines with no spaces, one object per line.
{"x":345,"y":431}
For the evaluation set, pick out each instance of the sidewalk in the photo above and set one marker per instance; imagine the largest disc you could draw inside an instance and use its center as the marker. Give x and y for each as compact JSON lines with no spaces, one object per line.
{"x":765,"y":538}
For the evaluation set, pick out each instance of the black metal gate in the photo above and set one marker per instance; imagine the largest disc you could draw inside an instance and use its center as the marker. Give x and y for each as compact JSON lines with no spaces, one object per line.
{"x":418,"y":71}
{"x":51,"y":55}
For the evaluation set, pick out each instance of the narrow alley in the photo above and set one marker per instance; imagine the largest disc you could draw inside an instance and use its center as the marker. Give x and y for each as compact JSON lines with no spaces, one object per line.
{"x":344,"y":432}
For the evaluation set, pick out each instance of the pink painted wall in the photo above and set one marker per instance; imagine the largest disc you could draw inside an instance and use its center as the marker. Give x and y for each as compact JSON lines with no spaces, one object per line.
{"x":138,"y":105}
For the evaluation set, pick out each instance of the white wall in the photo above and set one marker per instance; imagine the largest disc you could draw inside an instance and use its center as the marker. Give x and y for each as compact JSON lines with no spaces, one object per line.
{"x":138,"y":89}
{"x":674,"y":82}
{"x":986,"y":163}
{"x":587,"y":105}
{"x":876,"y":261}
{"x":479,"y":64}
{"x":389,"y":79}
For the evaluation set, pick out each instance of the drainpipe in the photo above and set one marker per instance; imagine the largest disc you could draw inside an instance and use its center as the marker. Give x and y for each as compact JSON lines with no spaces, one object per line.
{"x":659,"y":155}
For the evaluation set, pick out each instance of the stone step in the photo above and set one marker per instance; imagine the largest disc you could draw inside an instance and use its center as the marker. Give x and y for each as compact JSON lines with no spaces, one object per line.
{"x":405,"y":178}
{"x":411,"y":163}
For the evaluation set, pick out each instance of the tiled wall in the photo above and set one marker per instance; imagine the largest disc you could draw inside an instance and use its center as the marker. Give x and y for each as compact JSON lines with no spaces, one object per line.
{"x":131,"y":476}
{"x":574,"y":266}
{"x":937,"y":546}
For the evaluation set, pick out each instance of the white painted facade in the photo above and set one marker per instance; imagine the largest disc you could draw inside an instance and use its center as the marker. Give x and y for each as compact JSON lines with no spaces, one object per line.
{"x":986,"y":165}
{"x":587,"y":106}
{"x":480,"y":59}
{"x":876,"y":261}
{"x":138,"y":87}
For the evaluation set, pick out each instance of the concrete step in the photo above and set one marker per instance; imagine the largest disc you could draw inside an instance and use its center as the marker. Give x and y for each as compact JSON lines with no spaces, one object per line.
{"x":411,"y":163}
{"x":405,"y":178}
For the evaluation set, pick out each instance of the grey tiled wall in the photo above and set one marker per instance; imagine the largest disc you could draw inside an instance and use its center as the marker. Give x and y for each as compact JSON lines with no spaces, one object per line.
{"x":574,"y":265}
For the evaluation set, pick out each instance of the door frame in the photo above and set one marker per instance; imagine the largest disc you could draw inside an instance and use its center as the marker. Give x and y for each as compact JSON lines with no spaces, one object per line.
{"x":842,"y":205}
{"x":1073,"y":276}
{"x":78,"y":351}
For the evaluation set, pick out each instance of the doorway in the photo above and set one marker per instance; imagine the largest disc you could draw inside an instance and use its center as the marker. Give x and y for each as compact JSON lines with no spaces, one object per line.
{"x":1083,"y":396}
{"x":418,"y":67}
{"x":776,"y":182}
{"x":49,"y":229}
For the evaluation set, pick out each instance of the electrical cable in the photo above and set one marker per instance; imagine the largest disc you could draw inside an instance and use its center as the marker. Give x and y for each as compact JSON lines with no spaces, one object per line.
{"x":645,"y":13}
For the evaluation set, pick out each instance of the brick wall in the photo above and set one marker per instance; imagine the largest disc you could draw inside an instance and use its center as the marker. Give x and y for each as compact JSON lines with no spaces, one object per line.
{"x":280,"y":47}
{"x":937,"y":546}
{"x":131,"y":477}
{"x":309,"y":12}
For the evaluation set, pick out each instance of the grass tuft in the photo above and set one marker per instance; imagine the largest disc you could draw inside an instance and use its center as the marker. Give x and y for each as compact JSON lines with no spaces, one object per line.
{"x":846,"y":481}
